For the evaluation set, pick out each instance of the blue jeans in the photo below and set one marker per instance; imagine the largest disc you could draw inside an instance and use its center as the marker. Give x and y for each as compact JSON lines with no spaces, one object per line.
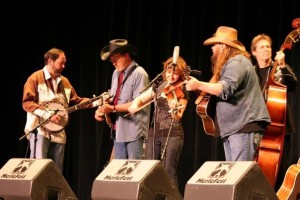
{"x":241,"y":146}
{"x":129,"y":150}
{"x":47,"y":149}
{"x":171,"y":155}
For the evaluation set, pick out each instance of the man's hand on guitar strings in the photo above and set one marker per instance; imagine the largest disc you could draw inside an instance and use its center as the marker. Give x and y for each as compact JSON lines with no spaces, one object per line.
{"x":192,"y":84}
{"x":106,"y":108}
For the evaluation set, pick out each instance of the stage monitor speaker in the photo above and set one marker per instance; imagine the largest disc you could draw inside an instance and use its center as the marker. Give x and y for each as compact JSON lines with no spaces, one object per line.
{"x":134,"y":179}
{"x":242,"y":180}
{"x":33,"y":179}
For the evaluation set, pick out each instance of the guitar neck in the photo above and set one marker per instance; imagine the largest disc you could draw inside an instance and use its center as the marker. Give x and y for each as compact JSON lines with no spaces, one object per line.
{"x":80,"y":106}
{"x":201,"y":95}
{"x":84,"y":104}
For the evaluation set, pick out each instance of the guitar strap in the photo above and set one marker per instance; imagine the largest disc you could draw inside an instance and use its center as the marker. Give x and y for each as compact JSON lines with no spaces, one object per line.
{"x":113,"y":116}
{"x":129,"y":73}
{"x":126,"y":77}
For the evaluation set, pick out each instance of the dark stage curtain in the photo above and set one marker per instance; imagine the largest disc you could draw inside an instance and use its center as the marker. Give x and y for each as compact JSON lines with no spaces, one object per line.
{"x":83,"y":28}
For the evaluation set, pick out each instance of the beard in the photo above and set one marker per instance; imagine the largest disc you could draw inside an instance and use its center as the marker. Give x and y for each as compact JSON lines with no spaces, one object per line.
{"x":214,"y":58}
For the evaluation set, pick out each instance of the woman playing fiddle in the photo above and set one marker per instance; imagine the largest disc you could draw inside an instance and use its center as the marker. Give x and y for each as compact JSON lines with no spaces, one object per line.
{"x":166,"y":135}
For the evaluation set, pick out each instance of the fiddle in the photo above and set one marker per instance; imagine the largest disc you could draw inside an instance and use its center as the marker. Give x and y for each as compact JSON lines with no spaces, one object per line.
{"x":174,"y":91}
{"x":173,"y":94}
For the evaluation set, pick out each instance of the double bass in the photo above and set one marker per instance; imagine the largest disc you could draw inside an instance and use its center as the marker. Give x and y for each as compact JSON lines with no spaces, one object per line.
{"x":271,"y":146}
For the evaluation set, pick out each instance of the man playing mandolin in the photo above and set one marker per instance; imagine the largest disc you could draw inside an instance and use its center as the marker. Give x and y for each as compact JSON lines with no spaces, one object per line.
{"x":46,"y":94}
{"x":128,"y":79}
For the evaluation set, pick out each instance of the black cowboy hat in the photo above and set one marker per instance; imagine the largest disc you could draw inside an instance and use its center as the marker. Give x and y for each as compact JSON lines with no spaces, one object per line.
{"x":117,"y":46}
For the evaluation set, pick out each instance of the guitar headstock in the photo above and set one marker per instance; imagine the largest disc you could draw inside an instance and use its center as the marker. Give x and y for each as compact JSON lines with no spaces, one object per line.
{"x":186,"y":73}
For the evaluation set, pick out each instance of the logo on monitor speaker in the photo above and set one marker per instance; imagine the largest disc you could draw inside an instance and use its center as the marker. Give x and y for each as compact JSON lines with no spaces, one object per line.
{"x":22,"y":167}
{"x":134,"y":180}
{"x":231,"y":180}
{"x":37,"y":178}
{"x":221,"y":170}
{"x":128,"y":167}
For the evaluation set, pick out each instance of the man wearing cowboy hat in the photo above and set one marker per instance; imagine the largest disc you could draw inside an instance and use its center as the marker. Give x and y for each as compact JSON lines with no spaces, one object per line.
{"x":128,"y":80}
{"x":241,"y":113}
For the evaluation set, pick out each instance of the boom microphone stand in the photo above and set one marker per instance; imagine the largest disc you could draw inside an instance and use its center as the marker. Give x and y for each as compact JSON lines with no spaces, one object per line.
{"x":34,"y":130}
{"x":156,"y":79}
{"x":155,"y":84}
{"x":154,"y":88}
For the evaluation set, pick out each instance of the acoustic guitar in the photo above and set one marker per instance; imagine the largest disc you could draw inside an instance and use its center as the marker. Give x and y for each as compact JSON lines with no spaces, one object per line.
{"x":206,"y":109}
{"x":290,"y":188}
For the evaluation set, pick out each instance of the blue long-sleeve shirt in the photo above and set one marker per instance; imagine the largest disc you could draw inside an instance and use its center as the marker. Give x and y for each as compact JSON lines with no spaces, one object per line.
{"x":131,"y":127}
{"x":241,"y":101}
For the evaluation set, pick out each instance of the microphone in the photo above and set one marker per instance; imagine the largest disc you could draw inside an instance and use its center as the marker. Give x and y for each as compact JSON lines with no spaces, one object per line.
{"x":196,"y":72}
{"x":175,"y":57}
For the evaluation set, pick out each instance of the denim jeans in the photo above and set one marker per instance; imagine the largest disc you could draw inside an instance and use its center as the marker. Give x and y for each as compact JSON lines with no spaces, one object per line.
{"x":241,"y":146}
{"x":171,"y":155}
{"x":44,"y":148}
{"x":129,"y":150}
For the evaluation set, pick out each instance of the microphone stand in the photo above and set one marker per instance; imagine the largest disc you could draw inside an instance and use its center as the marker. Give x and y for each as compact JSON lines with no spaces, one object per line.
{"x":34,"y":131}
{"x":154,"y":88}
{"x":167,"y":141}
{"x":154,"y":84}
{"x":156,"y":79}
